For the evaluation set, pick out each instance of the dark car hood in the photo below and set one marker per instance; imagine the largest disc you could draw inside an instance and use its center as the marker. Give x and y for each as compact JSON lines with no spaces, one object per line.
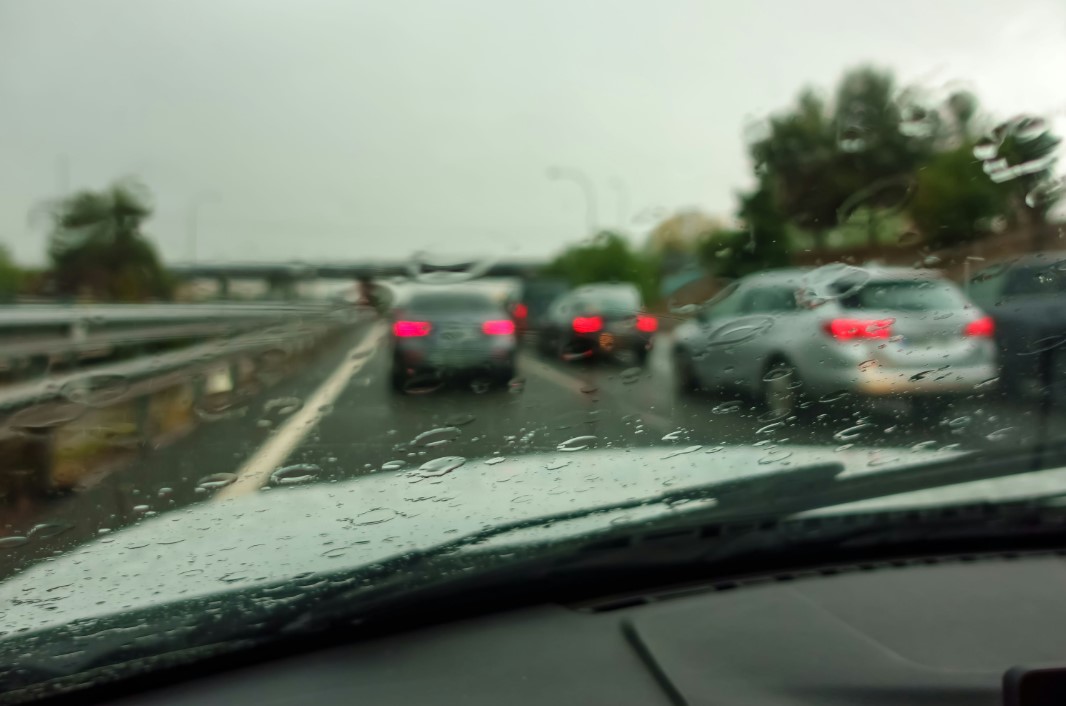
{"x":266,"y":537}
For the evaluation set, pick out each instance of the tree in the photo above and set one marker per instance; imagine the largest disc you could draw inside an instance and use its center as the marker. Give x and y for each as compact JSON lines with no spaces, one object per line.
{"x":96,"y":246}
{"x":606,"y":257}
{"x":762,"y":244}
{"x":817,"y":158}
{"x":11,"y":277}
{"x":954,"y":197}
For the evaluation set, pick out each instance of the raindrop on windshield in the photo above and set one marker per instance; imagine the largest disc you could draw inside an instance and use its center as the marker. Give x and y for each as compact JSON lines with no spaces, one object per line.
{"x":423,"y":384}
{"x":436,"y":437}
{"x":459,"y":420}
{"x":297,"y":473}
{"x":631,"y":375}
{"x":578,"y":443}
{"x":1046,"y":192}
{"x":851,"y":433}
{"x":727,"y":407}
{"x":216,"y":480}
{"x":46,"y":530}
{"x":393,"y":465}
{"x":12,"y":541}
{"x":282,"y":406}
{"x":95,"y":390}
{"x":494,"y":460}
{"x":1000,"y":434}
{"x":681,"y":452}
{"x":439,"y":466}
{"x":676,"y":435}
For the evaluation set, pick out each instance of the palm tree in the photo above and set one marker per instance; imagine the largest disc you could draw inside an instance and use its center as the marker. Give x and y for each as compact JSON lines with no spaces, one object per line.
{"x":97,"y":248}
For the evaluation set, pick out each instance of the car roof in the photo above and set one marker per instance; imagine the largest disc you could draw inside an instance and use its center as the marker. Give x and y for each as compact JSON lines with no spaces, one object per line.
{"x":1047,"y":257}
{"x":796,"y":275}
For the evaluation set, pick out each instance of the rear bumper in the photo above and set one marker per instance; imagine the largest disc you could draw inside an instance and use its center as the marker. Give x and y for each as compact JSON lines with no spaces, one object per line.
{"x":875,"y":381}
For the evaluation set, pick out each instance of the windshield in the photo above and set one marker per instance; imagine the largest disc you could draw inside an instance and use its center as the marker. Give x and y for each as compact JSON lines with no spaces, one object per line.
{"x":904,"y":296}
{"x":297,"y":288}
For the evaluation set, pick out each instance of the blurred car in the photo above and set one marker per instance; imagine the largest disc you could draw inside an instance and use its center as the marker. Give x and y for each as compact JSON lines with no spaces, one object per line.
{"x":1027,"y":300}
{"x":444,"y":331}
{"x":598,"y":320}
{"x":533,"y":301}
{"x":789,"y":336}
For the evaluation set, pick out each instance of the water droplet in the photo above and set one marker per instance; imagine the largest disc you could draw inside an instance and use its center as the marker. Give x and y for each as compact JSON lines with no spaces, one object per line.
{"x":556,"y":465}
{"x":851,"y":433}
{"x":516,"y":385}
{"x":1045,"y":344}
{"x":917,"y":121}
{"x":578,"y":443}
{"x":727,"y":407}
{"x":294,"y":474}
{"x":834,"y":396}
{"x":732,"y":334}
{"x":589,"y":389}
{"x":459,"y":420}
{"x":868,"y":365}
{"x":436,"y":437}
{"x":777,"y":374}
{"x":12,"y":541}
{"x":675,"y":435}
{"x":375,"y":516}
{"x":1046,"y":192}
{"x":772,"y":416}
{"x":95,"y":390}
{"x":986,"y":148}
{"x":1029,"y":128}
{"x":686,"y":450}
{"x":960,"y":422}
{"x":1000,"y":434}
{"x":393,"y":465}
{"x":140,"y":509}
{"x":630,"y":375}
{"x":480,"y":386}
{"x":423,"y":384}
{"x":770,"y":428}
{"x":216,"y":480}
{"x":440,"y":466}
{"x":494,"y":460}
{"x":775,"y":456}
{"x":37,"y":419}
{"x":46,"y":530}
{"x":282,"y":406}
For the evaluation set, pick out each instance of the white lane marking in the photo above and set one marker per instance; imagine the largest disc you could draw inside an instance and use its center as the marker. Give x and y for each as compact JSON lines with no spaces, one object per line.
{"x":257,"y":469}
{"x":575,"y":384}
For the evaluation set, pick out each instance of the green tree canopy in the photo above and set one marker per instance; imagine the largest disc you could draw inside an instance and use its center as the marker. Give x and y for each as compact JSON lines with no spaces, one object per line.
{"x":97,"y":248}
{"x":607,"y":257}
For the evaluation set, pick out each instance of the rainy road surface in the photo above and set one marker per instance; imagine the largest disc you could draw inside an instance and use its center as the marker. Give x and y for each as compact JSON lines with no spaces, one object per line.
{"x":338,"y":418}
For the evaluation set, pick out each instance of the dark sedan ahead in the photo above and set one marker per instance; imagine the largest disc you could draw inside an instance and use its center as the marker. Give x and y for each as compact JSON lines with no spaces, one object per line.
{"x":1027,"y":299}
{"x":443,"y":332}
{"x":598,"y":320}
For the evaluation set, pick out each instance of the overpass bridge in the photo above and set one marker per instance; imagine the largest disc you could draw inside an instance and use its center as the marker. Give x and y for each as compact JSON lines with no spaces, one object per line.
{"x":281,"y":278}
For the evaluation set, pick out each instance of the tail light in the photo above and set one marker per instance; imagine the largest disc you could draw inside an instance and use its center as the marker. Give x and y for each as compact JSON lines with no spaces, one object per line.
{"x":521,"y":311}
{"x":647,"y":324}
{"x":984,"y":327}
{"x":411,"y":329}
{"x":859,"y":329}
{"x":503,"y":327}
{"x":587,"y":324}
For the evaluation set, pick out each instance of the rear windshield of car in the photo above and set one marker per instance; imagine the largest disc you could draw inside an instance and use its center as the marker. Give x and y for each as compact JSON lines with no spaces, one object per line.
{"x":1036,"y":281}
{"x":451,"y":302}
{"x":620,"y":300}
{"x":902,"y":295}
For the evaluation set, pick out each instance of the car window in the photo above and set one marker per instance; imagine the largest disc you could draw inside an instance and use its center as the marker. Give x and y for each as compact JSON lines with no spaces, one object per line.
{"x":903,"y":296}
{"x":769,"y":300}
{"x":451,"y":302}
{"x":1036,"y":281}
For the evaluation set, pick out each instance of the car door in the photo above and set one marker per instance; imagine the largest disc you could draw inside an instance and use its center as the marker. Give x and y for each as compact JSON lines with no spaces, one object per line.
{"x":710,"y":359}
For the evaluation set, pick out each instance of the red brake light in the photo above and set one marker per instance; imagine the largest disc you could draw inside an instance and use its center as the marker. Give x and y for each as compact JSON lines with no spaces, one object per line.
{"x":647,"y":324}
{"x":410,"y":329}
{"x":859,"y":329}
{"x":521,"y":311}
{"x":587,"y":324}
{"x":503,"y":327}
{"x":983,"y":327}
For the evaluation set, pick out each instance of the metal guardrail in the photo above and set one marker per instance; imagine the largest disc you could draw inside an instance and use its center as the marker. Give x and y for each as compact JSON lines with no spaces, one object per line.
{"x":46,"y":333}
{"x":135,"y":405}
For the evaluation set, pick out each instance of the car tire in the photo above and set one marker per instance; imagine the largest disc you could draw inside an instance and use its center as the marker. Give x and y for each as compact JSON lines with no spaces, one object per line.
{"x":640,"y":355}
{"x":780,"y":389}
{"x":398,"y":379}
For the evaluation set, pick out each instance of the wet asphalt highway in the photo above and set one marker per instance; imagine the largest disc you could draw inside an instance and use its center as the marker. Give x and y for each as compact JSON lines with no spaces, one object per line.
{"x":339,"y":418}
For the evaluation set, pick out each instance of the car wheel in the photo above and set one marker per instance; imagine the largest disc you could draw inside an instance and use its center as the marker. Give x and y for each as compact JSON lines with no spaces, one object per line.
{"x":640,"y":355}
{"x":398,"y":378}
{"x":780,"y":389}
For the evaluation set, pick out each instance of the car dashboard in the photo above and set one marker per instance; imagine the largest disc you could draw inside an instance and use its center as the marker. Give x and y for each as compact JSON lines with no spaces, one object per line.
{"x":938,"y":631}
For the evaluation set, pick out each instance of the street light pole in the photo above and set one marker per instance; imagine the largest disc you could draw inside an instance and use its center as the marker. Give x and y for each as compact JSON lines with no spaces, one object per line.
{"x":583,"y":182}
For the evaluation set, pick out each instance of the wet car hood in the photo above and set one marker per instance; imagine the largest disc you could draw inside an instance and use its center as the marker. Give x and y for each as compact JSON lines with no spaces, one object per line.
{"x":269,"y":536}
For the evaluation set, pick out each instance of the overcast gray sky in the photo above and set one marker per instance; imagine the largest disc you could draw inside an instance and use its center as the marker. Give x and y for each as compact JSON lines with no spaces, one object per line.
{"x":341,"y":129}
